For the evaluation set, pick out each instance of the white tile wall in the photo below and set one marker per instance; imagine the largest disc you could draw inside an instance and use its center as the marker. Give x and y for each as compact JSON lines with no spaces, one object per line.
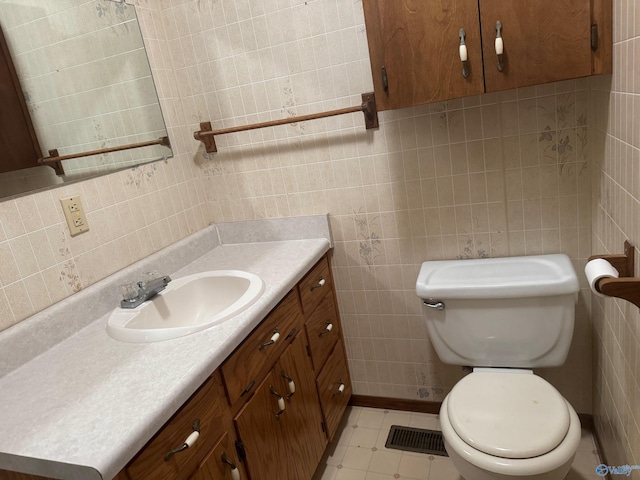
{"x":493,"y":175}
{"x":615,"y":213}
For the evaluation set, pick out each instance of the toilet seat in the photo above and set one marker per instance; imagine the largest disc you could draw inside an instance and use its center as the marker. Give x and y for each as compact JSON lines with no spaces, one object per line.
{"x":511,"y":414}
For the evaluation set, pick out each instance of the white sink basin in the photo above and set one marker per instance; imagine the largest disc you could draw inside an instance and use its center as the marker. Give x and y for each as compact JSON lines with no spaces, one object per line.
{"x":188,"y":305}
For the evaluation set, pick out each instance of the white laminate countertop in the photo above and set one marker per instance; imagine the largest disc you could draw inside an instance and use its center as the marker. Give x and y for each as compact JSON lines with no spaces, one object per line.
{"x":83,"y":408}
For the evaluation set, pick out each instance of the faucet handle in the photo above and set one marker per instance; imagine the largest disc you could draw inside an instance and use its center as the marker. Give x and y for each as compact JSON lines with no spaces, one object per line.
{"x":129,"y":291}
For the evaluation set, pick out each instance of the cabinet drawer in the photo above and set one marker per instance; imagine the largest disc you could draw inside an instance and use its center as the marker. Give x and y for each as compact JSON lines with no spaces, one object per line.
{"x":207,"y":406}
{"x":323,"y":330}
{"x":334,"y":401}
{"x":256,"y":355}
{"x":314,"y":286}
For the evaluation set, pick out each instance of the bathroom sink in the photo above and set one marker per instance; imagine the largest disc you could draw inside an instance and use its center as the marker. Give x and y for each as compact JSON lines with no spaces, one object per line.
{"x":189,"y":304}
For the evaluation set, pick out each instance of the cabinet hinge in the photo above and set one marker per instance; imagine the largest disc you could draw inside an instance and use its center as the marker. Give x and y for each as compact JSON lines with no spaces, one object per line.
{"x":242,"y":455}
{"x":249,"y":387}
{"x":594,"y":37}
{"x":308,"y":350}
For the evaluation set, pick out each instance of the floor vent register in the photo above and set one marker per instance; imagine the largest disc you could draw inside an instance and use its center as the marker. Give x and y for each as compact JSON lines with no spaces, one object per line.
{"x":416,"y":440}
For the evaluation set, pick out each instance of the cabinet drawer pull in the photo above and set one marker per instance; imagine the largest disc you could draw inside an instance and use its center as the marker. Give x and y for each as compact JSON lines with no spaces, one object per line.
{"x":327,"y":329}
{"x":320,"y":284}
{"x":340,"y":389}
{"x":281,"y":404}
{"x":499,"y":46}
{"x":463,"y":53}
{"x":291,"y":383}
{"x":274,"y":339}
{"x":385,"y":80}
{"x":191,"y":439}
{"x":235,"y":473}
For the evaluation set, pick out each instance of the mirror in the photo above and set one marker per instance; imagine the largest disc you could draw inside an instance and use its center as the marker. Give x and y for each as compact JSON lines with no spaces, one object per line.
{"x":82,"y":71}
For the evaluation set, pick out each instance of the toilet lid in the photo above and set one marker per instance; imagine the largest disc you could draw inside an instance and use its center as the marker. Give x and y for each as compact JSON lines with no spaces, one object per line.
{"x":508,"y":415}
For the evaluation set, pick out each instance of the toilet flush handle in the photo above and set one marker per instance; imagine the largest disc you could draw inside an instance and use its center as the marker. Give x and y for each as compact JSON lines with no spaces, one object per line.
{"x":435,"y":304}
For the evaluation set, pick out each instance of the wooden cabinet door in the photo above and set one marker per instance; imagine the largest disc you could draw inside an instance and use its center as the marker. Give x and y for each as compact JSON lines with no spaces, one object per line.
{"x":417,"y":43}
{"x":302,"y":421}
{"x":260,"y":430}
{"x":334,"y":388}
{"x":288,"y":443}
{"x":544,"y":41}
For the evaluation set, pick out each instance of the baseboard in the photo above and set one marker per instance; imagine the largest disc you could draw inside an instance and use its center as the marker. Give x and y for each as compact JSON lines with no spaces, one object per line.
{"x":395,"y":404}
{"x":586,"y":420}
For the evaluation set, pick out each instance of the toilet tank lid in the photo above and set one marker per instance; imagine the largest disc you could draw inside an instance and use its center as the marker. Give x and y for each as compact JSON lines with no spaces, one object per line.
{"x":508,"y":277}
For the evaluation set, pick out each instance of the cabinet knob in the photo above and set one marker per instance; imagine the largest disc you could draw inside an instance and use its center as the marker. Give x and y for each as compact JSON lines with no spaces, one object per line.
{"x":499,"y":45}
{"x":340,"y":389}
{"x":463,"y":53}
{"x":235,"y":473}
{"x":191,"y":439}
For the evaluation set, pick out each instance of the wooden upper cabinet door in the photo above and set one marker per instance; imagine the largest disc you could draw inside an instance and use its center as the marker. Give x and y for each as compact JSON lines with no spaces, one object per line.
{"x":417,"y":43}
{"x":544,"y":41}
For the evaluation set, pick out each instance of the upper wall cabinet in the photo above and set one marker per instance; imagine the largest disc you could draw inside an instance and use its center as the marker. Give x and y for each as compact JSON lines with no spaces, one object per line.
{"x":423,"y":52}
{"x":414,"y":50}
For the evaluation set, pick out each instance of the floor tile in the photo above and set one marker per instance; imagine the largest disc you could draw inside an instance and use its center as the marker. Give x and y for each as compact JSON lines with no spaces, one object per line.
{"x":385,"y":462}
{"x":350,"y":474}
{"x":363,"y":437}
{"x":358,"y":458}
{"x":415,"y":467}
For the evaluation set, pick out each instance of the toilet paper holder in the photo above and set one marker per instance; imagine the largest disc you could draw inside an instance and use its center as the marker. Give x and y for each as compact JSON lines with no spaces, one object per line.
{"x":626,"y":286}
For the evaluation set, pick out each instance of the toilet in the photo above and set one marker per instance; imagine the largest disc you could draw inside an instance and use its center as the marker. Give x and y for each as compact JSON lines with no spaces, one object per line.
{"x":503,"y":317}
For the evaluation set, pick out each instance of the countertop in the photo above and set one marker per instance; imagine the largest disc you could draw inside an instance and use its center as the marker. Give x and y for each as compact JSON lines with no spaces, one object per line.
{"x":83,"y":408}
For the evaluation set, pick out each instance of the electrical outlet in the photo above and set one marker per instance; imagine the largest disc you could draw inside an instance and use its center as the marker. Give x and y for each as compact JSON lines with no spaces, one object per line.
{"x":74,"y":213}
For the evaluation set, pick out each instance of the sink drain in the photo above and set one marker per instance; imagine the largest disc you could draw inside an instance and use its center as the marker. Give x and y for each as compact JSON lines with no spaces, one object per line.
{"x":416,"y":440}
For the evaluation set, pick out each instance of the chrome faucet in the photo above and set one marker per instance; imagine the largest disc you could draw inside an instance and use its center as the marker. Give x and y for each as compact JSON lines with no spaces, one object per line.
{"x":138,"y":292}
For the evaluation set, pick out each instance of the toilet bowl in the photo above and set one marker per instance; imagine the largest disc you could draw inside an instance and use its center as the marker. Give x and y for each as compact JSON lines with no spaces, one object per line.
{"x":507,"y":424}
{"x":504,"y":317}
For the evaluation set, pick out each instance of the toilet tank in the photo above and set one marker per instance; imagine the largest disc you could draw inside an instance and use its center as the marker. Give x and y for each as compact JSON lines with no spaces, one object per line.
{"x":502,"y":312}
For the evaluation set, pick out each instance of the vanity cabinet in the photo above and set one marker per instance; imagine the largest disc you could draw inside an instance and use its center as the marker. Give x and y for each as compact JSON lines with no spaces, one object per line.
{"x":417,"y":55}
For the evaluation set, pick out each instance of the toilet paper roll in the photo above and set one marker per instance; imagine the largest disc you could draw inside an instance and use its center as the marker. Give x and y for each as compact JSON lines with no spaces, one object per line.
{"x":596,"y":270}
